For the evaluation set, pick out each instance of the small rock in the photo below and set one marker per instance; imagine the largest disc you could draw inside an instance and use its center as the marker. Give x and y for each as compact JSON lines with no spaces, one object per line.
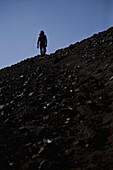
{"x":2,"y":106}
{"x":21,"y":76}
{"x":26,"y":82}
{"x":67,"y":120}
{"x":43,"y":165}
{"x":11,"y":163}
{"x":46,"y":117}
{"x":111,"y":78}
{"x":77,"y":90}
{"x":70,"y":108}
{"x":34,"y":156}
{"x":110,"y":43}
{"x":2,"y":113}
{"x":31,"y":93}
{"x":47,"y":141}
{"x":88,"y":102}
{"x":87,"y":145}
{"x":20,"y":95}
{"x":28,"y":144}
{"x":45,"y":107}
{"x":76,"y":143}
{"x":22,"y":127}
{"x":41,"y":150}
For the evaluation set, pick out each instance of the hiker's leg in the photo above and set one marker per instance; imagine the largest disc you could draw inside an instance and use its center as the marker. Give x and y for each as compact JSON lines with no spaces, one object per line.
{"x":41,"y":50}
{"x":44,"y":50}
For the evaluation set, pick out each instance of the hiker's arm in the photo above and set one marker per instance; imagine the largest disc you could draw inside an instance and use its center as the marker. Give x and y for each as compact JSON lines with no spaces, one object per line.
{"x":38,"y":42}
{"x":46,"y":41}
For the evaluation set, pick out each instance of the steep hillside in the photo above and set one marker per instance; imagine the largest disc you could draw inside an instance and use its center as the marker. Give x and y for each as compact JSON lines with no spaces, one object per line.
{"x":56,"y":112}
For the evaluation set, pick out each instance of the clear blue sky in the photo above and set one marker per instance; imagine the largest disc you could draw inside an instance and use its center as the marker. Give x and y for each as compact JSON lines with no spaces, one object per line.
{"x":64,"y":21}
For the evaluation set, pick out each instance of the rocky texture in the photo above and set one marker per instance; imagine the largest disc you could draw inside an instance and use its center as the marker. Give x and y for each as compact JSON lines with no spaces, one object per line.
{"x":56,"y":112}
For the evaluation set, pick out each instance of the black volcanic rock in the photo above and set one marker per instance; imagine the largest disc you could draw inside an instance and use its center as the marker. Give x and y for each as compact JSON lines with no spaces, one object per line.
{"x":56,"y":112}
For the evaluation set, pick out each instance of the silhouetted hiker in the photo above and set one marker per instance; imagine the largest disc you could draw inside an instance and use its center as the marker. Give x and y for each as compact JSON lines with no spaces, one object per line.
{"x":43,"y":43}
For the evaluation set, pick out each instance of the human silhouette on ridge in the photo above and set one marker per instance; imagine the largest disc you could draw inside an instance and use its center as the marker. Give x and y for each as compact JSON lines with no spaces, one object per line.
{"x":42,"y":40}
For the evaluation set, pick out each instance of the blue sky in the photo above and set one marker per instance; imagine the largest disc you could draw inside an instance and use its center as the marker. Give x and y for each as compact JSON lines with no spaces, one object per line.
{"x":64,"y":21}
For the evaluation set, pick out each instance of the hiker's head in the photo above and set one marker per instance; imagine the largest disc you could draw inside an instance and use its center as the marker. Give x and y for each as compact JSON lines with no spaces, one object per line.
{"x":42,"y":32}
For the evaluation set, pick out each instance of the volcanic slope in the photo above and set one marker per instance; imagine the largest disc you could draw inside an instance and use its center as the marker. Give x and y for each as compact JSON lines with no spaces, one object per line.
{"x":56,"y":112}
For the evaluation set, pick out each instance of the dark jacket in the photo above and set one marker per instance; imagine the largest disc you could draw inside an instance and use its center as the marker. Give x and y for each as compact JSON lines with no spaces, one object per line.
{"x":42,"y":40}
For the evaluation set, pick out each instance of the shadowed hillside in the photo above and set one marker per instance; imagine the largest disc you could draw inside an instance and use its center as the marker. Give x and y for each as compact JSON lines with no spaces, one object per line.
{"x":56,"y":112}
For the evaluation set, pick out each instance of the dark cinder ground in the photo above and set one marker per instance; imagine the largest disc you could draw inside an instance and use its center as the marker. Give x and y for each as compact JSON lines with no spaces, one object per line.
{"x":56,"y":112}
